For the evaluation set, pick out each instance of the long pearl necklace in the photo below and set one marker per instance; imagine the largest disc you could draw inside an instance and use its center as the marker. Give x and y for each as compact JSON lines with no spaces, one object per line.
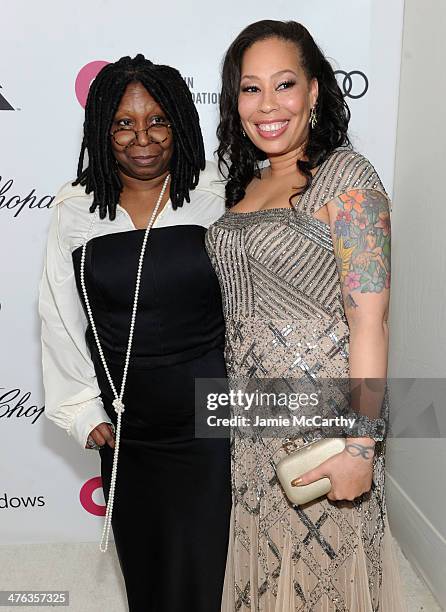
{"x":118,"y":404}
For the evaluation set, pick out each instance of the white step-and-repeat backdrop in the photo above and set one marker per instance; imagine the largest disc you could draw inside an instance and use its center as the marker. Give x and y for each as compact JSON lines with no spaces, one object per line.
{"x":50,"y":490}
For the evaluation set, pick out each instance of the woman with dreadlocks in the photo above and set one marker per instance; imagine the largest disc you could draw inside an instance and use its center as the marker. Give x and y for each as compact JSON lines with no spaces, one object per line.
{"x":131,"y":315}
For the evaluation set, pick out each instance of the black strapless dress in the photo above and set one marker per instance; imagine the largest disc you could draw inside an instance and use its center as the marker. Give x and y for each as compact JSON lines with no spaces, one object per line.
{"x":173,"y":498}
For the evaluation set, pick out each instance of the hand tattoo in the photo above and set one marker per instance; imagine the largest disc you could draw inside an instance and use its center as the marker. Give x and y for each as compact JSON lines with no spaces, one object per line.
{"x":359,"y":450}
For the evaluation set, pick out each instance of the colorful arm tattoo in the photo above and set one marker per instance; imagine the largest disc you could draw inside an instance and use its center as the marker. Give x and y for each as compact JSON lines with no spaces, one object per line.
{"x":362,"y":243}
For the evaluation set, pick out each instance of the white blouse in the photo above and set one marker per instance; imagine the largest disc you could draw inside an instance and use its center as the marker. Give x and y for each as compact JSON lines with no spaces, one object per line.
{"x":72,"y":395}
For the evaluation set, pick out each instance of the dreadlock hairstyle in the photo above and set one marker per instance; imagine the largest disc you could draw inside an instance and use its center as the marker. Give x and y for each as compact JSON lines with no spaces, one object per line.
{"x":238,"y":157}
{"x":166,"y":85}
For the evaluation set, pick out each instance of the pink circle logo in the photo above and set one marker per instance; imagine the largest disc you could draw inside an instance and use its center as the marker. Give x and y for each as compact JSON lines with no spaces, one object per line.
{"x":84,"y":79}
{"x":86,"y":496}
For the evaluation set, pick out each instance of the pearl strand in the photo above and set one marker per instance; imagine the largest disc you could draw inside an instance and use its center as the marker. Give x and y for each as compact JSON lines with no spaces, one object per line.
{"x":117,"y":402}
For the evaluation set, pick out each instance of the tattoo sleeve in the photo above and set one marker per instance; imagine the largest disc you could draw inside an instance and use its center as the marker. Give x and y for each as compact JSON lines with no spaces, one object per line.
{"x":361,"y":235}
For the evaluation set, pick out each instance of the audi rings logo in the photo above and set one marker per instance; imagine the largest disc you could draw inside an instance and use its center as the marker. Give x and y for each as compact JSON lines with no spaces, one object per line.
{"x":353,"y":84}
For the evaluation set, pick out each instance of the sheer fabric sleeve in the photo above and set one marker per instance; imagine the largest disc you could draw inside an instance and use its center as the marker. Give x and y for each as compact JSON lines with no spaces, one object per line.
{"x":343,"y":171}
{"x":72,"y":395}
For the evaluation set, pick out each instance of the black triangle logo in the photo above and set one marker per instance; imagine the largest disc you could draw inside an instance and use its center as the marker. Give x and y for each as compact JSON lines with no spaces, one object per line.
{"x":4,"y":104}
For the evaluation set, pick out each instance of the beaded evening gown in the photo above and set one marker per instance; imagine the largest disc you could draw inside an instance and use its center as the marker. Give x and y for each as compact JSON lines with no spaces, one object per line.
{"x":285,"y":319}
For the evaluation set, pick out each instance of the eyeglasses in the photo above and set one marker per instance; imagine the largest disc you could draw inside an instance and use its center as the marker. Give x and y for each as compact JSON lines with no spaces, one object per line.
{"x":157,"y":133}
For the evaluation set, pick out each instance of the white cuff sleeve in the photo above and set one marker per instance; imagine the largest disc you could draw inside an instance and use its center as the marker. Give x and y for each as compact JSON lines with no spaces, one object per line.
{"x":72,"y":394}
{"x":87,"y":416}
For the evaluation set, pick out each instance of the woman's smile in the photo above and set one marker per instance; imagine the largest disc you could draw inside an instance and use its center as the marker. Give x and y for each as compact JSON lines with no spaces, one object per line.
{"x":272,"y":129}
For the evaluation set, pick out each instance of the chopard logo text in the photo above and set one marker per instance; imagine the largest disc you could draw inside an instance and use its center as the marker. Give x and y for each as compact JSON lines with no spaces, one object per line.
{"x":16,"y":203}
{"x":16,"y":403}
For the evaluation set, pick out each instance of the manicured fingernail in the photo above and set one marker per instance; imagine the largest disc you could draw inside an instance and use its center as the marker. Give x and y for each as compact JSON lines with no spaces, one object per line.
{"x":296,"y":482}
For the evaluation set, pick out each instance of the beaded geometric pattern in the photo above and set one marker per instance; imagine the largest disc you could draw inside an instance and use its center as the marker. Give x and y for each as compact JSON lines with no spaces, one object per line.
{"x":285,"y":319}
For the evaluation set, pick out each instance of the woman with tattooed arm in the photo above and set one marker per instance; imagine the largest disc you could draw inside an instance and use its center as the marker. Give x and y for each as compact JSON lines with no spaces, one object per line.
{"x":303,"y":260}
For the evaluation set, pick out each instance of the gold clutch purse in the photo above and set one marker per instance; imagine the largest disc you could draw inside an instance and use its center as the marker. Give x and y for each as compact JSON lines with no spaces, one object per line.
{"x":302,"y":460}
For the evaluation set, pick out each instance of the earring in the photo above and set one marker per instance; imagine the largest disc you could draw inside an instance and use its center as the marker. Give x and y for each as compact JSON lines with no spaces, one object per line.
{"x":313,"y":117}
{"x":243,"y":133}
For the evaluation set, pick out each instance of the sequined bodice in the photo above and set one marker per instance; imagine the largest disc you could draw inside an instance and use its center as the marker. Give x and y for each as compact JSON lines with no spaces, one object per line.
{"x":280,"y":263}
{"x":278,"y":276}
{"x":277,"y":264}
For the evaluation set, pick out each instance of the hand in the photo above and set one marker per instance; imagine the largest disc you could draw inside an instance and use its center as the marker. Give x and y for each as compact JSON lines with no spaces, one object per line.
{"x":350,"y":471}
{"x":101,"y":435}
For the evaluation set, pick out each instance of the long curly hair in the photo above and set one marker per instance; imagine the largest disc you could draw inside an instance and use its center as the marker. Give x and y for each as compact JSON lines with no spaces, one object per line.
{"x":166,"y":85}
{"x":238,"y":157}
